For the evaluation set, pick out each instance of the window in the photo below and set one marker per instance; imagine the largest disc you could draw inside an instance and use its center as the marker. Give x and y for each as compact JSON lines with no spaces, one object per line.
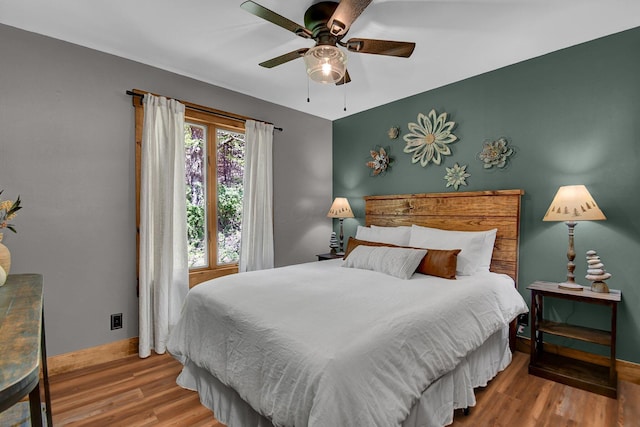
{"x":214,"y":167}
{"x":205,"y":141}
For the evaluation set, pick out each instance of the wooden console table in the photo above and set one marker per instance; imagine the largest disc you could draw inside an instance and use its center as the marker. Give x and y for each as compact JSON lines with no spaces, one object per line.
{"x":23,"y":348}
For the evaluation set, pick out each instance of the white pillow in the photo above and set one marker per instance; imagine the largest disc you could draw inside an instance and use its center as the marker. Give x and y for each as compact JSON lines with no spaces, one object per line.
{"x":476,"y":246}
{"x":398,"y":236}
{"x":397,"y":262}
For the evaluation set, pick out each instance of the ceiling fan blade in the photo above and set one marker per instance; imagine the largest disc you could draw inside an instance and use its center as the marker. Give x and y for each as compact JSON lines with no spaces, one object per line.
{"x":344,"y":15}
{"x":381,"y":47}
{"x":345,"y":79}
{"x":268,"y":15}
{"x":279,"y":60}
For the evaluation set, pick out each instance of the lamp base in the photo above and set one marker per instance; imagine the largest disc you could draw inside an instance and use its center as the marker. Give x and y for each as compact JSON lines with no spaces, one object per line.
{"x":570,"y":286}
{"x":599,"y":286}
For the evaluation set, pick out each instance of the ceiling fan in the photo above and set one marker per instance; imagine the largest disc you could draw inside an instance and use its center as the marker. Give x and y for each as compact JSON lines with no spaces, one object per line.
{"x":327,"y":22}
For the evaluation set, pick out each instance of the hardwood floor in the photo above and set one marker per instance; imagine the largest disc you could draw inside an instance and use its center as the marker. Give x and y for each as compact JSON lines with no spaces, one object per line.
{"x":142,"y":392}
{"x":128,"y":392}
{"x":515,"y":398}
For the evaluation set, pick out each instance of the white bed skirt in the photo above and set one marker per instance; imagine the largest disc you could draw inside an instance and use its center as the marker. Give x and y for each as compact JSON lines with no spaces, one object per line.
{"x":434,"y":409}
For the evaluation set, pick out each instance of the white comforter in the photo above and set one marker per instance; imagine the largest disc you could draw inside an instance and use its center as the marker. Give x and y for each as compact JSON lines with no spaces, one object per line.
{"x":320,"y":345}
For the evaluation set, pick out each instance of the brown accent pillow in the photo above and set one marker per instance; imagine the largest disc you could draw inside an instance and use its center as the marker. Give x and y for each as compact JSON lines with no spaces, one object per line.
{"x":437,"y":262}
{"x":354,"y":243}
{"x":440,"y":263}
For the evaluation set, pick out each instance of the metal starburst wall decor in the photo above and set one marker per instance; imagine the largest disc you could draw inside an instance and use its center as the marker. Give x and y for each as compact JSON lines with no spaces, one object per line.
{"x":380,"y":161}
{"x":457,"y":176}
{"x":495,"y":153}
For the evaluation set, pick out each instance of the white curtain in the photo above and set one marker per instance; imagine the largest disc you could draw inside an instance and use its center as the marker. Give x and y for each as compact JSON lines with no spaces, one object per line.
{"x":164,"y":271}
{"x":256,"y":247}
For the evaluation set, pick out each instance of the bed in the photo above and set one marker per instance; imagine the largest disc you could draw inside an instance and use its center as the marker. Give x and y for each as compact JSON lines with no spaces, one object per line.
{"x":319,"y":344}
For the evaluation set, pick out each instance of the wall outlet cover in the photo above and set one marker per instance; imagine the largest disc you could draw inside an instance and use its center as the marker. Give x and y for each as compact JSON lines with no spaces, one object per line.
{"x":116,"y":321}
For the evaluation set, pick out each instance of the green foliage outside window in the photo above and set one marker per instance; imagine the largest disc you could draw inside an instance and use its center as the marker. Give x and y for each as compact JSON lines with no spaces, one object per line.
{"x":230,"y":154}
{"x":196,"y":202}
{"x":229,"y":222}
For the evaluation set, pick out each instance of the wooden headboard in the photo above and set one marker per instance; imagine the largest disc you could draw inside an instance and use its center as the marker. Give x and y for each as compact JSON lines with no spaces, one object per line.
{"x":465,"y":211}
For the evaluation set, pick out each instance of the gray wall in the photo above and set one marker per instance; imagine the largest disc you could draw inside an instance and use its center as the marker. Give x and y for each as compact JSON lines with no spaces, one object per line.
{"x":67,"y":148}
{"x":573,"y":117}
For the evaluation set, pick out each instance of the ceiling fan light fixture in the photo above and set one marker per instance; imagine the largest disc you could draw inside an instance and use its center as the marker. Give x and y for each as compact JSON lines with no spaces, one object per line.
{"x":325,"y":63}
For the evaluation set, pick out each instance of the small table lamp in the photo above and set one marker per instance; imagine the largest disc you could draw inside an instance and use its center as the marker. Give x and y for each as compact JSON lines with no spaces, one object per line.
{"x":340,"y":209}
{"x":573,"y":203}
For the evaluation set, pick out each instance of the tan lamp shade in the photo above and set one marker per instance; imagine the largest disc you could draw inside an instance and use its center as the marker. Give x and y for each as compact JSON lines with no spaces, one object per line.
{"x":340,"y":209}
{"x":573,"y":203}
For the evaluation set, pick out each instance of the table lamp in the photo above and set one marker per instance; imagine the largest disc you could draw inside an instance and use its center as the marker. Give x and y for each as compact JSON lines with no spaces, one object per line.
{"x":340,"y":209}
{"x":573,"y":203}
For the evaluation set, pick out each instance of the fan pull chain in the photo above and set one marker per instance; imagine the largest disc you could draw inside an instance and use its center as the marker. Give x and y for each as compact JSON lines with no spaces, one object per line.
{"x":308,"y":88}
{"x":345,"y":93}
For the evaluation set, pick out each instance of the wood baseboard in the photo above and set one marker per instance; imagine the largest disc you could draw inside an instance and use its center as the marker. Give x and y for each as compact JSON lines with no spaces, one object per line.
{"x":627,"y":371}
{"x":91,"y":356}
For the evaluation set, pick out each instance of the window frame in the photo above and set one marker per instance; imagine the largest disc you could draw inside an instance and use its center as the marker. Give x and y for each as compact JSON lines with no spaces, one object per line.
{"x":212,"y":123}
{"x":213,"y":119}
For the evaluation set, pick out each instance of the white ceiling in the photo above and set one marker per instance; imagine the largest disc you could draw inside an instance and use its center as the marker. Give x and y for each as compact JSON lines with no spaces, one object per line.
{"x":217,"y":42}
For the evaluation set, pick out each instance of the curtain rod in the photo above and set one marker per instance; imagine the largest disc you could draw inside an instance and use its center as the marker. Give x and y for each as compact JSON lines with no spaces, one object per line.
{"x":215,"y":113}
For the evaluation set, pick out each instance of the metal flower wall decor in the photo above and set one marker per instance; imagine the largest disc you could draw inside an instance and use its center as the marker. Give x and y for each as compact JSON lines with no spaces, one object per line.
{"x":457,"y":176}
{"x":429,"y":138}
{"x":495,"y":153}
{"x":380,"y":161}
{"x":393,"y":132}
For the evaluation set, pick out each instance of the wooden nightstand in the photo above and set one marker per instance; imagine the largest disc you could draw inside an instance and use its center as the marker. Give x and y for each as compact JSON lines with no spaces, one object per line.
{"x":324,"y":257}
{"x":585,"y":375}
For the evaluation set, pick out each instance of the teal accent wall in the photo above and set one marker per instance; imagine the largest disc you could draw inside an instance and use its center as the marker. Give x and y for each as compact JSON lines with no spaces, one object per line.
{"x":574,"y":118}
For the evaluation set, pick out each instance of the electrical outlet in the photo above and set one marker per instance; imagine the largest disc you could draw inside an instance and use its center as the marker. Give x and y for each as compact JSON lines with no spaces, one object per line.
{"x":116,"y":321}
{"x":523,"y":319}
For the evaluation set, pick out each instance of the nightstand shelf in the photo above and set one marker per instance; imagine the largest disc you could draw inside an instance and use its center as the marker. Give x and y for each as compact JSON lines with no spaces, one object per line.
{"x":577,"y":373}
{"x":324,"y":257}
{"x":581,"y":333}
